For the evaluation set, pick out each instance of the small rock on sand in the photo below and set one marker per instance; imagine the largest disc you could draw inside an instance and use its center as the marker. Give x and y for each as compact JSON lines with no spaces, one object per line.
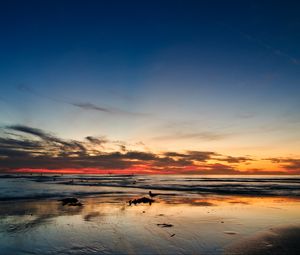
{"x":165,"y":225}
{"x":230,"y":232}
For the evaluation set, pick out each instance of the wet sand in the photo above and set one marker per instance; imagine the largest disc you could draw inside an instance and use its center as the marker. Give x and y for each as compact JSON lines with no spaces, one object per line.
{"x":35,"y":218}
{"x":276,"y":241}
{"x":186,"y":224}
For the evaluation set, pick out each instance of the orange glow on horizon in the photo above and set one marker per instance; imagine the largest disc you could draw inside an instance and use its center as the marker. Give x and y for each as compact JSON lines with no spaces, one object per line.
{"x":140,"y":170}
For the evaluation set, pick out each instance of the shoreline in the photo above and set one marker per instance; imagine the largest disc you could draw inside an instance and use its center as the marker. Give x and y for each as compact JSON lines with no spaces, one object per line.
{"x":104,"y":222}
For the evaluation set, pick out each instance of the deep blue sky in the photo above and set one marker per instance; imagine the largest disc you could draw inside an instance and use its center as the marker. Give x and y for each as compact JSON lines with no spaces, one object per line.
{"x":193,"y":74}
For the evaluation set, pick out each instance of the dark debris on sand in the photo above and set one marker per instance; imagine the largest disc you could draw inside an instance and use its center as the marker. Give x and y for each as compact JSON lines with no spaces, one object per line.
{"x":70,"y":201}
{"x":165,"y":225}
{"x":144,"y":200}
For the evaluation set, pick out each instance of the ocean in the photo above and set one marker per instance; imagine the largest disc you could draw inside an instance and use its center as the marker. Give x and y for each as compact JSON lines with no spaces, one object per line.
{"x":54,"y":186}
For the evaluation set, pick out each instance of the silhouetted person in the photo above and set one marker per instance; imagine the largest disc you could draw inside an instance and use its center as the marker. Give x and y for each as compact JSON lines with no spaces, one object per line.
{"x":151,"y":194}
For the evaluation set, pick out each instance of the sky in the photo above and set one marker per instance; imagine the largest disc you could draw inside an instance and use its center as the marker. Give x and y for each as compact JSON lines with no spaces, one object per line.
{"x":191,"y":87}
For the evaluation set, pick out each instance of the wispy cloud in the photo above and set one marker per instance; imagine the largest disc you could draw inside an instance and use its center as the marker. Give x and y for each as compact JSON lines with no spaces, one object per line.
{"x":96,"y":140}
{"x":292,"y":164}
{"x":266,"y":46}
{"x":109,"y":110}
{"x":88,"y":106}
{"x":205,"y":135}
{"x":275,"y":51}
{"x":193,"y":155}
{"x":236,"y":160}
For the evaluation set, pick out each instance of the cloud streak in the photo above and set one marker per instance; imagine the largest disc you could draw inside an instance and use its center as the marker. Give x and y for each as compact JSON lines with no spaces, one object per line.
{"x":205,"y":136}
{"x":109,"y":110}
{"x":290,"y":164}
{"x":88,"y":106}
{"x":259,"y":42}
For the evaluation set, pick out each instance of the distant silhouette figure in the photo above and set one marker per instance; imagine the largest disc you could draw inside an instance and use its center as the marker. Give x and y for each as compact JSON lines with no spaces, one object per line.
{"x":152,"y":195}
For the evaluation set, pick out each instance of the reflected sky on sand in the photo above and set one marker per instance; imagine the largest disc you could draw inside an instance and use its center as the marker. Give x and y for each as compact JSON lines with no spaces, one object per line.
{"x":174,"y":224}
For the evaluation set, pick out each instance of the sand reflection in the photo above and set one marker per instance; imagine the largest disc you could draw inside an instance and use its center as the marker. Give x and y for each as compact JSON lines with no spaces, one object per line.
{"x":173,"y":224}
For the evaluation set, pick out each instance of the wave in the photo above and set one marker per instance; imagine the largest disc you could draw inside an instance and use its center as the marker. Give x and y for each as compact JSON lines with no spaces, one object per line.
{"x":14,"y":187}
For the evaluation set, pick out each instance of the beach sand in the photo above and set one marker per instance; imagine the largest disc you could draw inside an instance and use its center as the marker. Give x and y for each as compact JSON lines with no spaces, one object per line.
{"x":181,"y":220}
{"x":170,"y":225}
{"x":276,"y":241}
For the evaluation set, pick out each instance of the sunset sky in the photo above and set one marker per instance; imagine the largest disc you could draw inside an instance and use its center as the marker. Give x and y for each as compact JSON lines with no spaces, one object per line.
{"x":191,"y":87}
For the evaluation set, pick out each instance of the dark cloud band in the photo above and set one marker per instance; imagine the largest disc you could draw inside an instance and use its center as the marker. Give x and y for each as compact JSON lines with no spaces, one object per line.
{"x":32,"y":148}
